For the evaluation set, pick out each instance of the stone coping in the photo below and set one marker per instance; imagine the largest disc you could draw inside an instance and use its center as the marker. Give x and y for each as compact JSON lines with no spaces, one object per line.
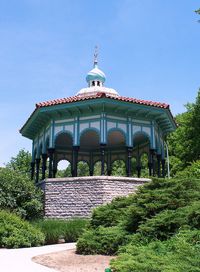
{"x":102,"y":178}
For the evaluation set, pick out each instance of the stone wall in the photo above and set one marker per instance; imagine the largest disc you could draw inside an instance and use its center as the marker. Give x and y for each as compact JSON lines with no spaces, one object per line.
{"x":76,"y":197}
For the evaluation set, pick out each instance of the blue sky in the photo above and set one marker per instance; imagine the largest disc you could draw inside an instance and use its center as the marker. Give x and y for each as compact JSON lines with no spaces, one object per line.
{"x":149,"y":49}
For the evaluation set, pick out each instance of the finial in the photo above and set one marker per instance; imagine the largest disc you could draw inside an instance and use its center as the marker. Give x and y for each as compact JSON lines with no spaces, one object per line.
{"x":95,"y":56}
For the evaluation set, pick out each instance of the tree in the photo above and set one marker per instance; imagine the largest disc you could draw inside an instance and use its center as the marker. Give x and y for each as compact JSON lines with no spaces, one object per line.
{"x":21,"y":163}
{"x":19,"y":195}
{"x":194,"y":131}
{"x":184,"y":142}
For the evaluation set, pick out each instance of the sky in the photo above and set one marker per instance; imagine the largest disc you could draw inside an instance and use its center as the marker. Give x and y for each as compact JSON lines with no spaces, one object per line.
{"x":148,"y":49}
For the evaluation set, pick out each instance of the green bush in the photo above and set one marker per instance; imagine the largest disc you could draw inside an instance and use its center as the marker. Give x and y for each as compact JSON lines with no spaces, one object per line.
{"x":55,"y":229}
{"x":179,"y":254}
{"x":101,"y":241}
{"x":158,"y":210}
{"x":110,"y":214}
{"x":19,"y":195}
{"x":16,"y":232}
{"x":157,"y":196}
{"x":167,"y":223}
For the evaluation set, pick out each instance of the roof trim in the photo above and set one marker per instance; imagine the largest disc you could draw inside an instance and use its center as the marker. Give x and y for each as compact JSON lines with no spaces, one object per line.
{"x":101,"y":95}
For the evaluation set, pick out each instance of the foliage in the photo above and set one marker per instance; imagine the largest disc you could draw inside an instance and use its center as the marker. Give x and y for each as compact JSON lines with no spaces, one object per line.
{"x":184,"y":142}
{"x":180,"y":253}
{"x":118,"y":168}
{"x":21,"y":163}
{"x":15,"y":232}
{"x":101,"y":240}
{"x":83,"y":169}
{"x":191,"y":171}
{"x":144,"y":165}
{"x":55,"y":229}
{"x":18,"y":194}
{"x":180,"y":143}
{"x":168,"y":222}
{"x":157,"y":196}
{"x":157,"y":211}
{"x":110,"y":214}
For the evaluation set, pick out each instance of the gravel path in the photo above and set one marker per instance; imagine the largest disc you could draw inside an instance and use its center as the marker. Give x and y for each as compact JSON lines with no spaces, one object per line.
{"x":68,"y":261}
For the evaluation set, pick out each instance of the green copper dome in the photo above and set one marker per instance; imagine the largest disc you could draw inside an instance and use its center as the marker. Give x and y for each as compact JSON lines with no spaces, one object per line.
{"x":96,"y":74}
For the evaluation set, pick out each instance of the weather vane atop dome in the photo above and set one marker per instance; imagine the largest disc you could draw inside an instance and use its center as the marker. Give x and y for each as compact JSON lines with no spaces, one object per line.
{"x":95,"y":55}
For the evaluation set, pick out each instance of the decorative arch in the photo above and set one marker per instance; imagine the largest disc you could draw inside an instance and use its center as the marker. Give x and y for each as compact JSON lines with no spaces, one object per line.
{"x":143,"y":134}
{"x":66,"y":132}
{"x":89,"y":129}
{"x":63,"y":139}
{"x":89,"y":139}
{"x":117,"y":140}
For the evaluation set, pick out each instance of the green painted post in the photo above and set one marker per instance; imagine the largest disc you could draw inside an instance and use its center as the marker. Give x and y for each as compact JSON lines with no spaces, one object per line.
{"x":107,"y":270}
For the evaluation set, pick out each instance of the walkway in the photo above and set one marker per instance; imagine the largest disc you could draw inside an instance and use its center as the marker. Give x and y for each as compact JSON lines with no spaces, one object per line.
{"x":19,"y":260}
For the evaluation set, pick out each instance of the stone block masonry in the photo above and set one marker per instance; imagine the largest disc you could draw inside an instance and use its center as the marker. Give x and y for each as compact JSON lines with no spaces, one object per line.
{"x":76,"y":197}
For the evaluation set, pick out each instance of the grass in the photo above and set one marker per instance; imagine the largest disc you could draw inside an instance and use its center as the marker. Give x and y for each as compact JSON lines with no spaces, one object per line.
{"x":55,"y":229}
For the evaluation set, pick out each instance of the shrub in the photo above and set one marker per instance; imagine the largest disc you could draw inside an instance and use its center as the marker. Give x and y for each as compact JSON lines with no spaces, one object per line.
{"x":157,"y":211}
{"x":110,"y":214}
{"x":55,"y":229}
{"x":180,"y":253}
{"x":101,"y":241}
{"x":16,"y":232}
{"x":167,"y":223}
{"x":158,"y":196}
{"x":19,"y":195}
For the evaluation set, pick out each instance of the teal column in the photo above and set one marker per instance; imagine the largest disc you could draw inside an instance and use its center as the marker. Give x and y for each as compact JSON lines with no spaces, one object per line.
{"x":76,"y":132}
{"x":52,"y":134}
{"x":129,"y":128}
{"x":103,"y":136}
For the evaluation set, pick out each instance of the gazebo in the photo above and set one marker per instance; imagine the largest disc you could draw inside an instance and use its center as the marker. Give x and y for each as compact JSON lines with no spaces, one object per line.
{"x":98,"y":124}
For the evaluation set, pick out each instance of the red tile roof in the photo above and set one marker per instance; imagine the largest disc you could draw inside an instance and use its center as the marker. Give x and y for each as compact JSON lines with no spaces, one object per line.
{"x":101,"y":95}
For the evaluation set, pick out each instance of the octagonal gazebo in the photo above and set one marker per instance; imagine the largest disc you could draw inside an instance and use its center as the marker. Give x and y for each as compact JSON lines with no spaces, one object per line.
{"x":98,"y":124}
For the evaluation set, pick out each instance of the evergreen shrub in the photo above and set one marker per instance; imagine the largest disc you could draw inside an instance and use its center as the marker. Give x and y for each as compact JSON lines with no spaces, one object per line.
{"x":159,"y":210}
{"x":16,"y":232}
{"x":101,"y":240}
{"x":179,"y":254}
